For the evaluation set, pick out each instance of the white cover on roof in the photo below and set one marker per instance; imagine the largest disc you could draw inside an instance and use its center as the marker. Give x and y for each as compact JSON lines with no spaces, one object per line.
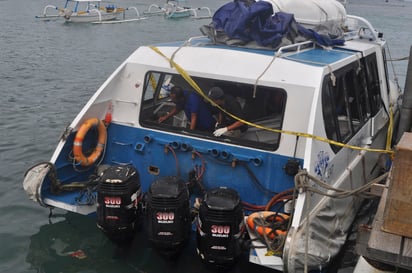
{"x":314,"y":14}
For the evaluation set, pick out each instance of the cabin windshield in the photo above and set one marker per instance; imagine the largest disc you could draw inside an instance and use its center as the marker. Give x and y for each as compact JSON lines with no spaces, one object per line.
{"x":264,"y":106}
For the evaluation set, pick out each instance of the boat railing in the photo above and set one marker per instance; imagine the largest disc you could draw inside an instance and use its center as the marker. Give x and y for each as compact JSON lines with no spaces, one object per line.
{"x":295,"y":47}
{"x":201,"y":40}
{"x":358,"y":27}
{"x":190,"y":41}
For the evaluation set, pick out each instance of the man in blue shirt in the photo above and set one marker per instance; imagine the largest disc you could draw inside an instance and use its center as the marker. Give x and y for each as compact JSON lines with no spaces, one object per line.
{"x":196,"y":110}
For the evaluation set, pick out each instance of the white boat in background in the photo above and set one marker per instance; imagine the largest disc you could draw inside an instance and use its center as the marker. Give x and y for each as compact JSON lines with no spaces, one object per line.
{"x":178,"y":9}
{"x":319,"y":112}
{"x":88,"y":11}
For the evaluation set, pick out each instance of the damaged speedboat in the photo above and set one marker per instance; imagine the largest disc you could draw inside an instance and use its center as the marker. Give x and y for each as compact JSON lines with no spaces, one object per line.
{"x":316,"y":110}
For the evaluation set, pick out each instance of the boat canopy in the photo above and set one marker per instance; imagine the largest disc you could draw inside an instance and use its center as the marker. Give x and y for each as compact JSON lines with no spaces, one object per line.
{"x":242,"y":23}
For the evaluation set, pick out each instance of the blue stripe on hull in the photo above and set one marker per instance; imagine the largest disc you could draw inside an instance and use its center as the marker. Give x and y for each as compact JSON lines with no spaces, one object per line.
{"x":245,"y":170}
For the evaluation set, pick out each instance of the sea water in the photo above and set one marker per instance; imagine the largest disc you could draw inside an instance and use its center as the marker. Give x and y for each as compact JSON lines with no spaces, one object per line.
{"x":48,"y":70}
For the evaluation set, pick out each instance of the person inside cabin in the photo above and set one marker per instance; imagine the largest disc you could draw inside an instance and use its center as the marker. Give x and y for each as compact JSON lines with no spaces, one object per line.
{"x":273,"y":103}
{"x":196,"y":109}
{"x":226,"y":125}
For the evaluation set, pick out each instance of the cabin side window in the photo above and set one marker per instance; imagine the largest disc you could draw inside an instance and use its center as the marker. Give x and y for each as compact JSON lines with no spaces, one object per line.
{"x":162,"y":110}
{"x":373,"y":83}
{"x":346,"y":100}
{"x":385,"y":63}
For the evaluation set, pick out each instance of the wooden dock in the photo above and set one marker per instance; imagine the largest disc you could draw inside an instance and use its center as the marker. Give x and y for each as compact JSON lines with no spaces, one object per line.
{"x":388,"y":240}
{"x":378,"y":245}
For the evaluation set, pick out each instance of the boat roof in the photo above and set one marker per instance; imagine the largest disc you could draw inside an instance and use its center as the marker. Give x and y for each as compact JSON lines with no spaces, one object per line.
{"x":311,"y":55}
{"x":200,"y":57}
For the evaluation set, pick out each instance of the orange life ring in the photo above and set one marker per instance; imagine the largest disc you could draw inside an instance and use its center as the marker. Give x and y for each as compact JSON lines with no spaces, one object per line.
{"x":263,"y":223}
{"x":79,"y":157}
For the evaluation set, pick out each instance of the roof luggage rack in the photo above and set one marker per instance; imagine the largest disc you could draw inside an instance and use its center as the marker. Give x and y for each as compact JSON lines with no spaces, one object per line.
{"x":295,"y":47}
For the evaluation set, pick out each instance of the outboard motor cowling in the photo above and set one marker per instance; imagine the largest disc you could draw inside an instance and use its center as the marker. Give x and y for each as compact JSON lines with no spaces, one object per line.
{"x":220,"y":228}
{"x":168,"y":211}
{"x":119,"y":206}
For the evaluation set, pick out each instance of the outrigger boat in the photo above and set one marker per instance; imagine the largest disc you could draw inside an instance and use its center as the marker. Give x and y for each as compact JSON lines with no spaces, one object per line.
{"x":178,"y":9}
{"x":88,"y":11}
{"x":319,"y":112}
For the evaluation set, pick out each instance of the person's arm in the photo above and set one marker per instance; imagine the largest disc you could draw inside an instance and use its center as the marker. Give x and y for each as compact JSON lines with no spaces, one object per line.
{"x":193,"y":120}
{"x":220,"y":117}
{"x":234,"y":125}
{"x":234,"y":107}
{"x":222,"y":131}
{"x":168,"y":115}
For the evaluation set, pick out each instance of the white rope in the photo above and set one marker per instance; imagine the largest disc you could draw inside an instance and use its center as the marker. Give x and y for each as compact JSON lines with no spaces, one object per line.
{"x":301,"y":182}
{"x":263,"y":73}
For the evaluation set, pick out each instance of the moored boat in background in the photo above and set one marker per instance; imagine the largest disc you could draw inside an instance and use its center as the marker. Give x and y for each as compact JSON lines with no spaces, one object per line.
{"x":178,"y":9}
{"x":88,"y":11}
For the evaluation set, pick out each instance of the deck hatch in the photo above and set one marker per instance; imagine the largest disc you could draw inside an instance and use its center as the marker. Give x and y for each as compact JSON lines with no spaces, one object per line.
{"x":319,"y":57}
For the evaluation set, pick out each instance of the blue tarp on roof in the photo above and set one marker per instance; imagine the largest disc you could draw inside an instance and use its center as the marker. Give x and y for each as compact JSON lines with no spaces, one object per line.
{"x":242,"y":22}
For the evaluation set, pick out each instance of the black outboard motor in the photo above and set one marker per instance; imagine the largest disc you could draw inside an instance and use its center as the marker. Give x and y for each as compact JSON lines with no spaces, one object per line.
{"x":119,"y":206}
{"x":220,"y":228}
{"x":168,"y":211}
